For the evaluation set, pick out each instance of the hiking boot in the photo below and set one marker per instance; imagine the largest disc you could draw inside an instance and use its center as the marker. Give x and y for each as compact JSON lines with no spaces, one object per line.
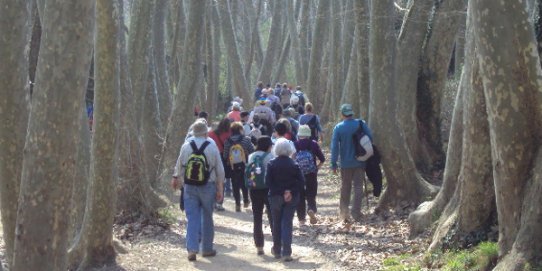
{"x":191,"y":256}
{"x":312,"y":217}
{"x":246,"y":204}
{"x":211,"y":253}
{"x":287,"y":258}
{"x":260,"y":250}
{"x":219,"y":207}
{"x":238,"y":208}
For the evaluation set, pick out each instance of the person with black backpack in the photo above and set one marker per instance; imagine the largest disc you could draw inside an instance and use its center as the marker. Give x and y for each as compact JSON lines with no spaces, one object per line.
{"x":255,"y":182}
{"x":307,"y":151}
{"x":236,"y":151}
{"x":199,"y":167}
{"x":352,"y":169}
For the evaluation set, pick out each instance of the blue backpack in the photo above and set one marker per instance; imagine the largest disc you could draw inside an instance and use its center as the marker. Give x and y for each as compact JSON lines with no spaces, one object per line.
{"x":306,"y":162}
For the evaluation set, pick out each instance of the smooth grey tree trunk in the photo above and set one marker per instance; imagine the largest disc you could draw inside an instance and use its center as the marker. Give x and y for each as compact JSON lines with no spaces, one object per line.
{"x":177,"y":44}
{"x":274,"y":43}
{"x":296,"y":43}
{"x":160,"y":64}
{"x":362,"y":46}
{"x":49,"y":159}
{"x":304,"y":29}
{"x":14,"y":24}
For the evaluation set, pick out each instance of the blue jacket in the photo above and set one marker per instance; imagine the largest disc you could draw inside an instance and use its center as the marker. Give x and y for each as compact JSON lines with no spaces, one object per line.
{"x":342,"y":145}
{"x":284,"y":174}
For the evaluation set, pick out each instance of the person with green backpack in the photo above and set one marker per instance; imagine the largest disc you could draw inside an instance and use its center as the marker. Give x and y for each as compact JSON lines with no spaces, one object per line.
{"x":255,"y":182}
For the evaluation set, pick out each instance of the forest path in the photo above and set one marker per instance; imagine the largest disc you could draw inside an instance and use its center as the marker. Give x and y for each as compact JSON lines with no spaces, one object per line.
{"x":328,"y":245}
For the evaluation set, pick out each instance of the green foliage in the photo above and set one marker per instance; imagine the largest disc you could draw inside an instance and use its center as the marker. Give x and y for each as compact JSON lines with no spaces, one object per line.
{"x":168,"y":215}
{"x":400,"y":263}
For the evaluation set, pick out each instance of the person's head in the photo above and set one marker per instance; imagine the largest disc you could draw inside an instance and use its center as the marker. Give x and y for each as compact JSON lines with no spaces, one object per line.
{"x":298,"y":88}
{"x":308,"y":107}
{"x":199,"y":128}
{"x":203,"y":115}
{"x":264,"y":144}
{"x":236,"y":128}
{"x":260,"y":84}
{"x":270,"y":92}
{"x":277,"y":85}
{"x":244,"y":115}
{"x":261,"y":101}
{"x":284,"y":85}
{"x":347,"y":111}
{"x":304,"y":131}
{"x":283,"y":148}
{"x":281,"y":128}
{"x":287,"y":113}
{"x":238,"y":100}
{"x":235,"y":106}
{"x":294,"y":100}
{"x":223,"y":126}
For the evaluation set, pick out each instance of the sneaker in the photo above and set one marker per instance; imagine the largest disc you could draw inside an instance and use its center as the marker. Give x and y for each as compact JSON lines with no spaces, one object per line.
{"x":211,"y":253}
{"x":219,"y":207}
{"x":260,"y":250}
{"x":246,"y":204}
{"x":238,"y":208}
{"x":191,"y":256}
{"x":312,"y":216}
{"x":287,"y":258}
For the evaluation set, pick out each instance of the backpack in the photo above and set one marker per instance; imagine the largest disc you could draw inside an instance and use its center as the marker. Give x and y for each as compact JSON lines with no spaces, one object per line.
{"x":237,"y":155}
{"x":305,"y":160}
{"x":255,"y":173}
{"x":312,"y":124}
{"x":262,"y":115}
{"x":197,"y":168}
{"x":285,"y":96}
{"x":362,"y":144}
{"x":301,"y":97}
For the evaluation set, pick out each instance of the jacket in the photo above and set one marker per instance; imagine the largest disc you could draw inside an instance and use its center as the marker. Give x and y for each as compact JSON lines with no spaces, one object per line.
{"x":342,"y":145}
{"x":284,"y":174}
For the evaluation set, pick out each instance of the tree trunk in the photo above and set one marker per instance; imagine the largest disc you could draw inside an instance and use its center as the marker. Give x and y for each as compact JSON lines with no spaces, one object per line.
{"x":274,"y":43}
{"x":49,"y":158}
{"x":14,"y":22}
{"x":335,"y":78}
{"x":240,"y":85}
{"x":432,"y":81}
{"x":255,"y":38}
{"x":314,"y":90}
{"x":511,"y":73}
{"x":362,"y":46}
{"x":34,"y":47}
{"x":161,"y":71}
{"x":296,"y":44}
{"x":304,"y":38}
{"x":348,"y":37}
{"x":177,"y":45}
{"x":101,"y":196}
{"x":184,"y":98}
{"x":405,"y":185}
{"x":284,"y":55}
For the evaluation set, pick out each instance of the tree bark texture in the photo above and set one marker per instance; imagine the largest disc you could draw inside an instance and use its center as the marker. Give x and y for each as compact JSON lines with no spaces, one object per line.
{"x":14,"y":22}
{"x":510,"y":68}
{"x":178,"y":43}
{"x":50,"y":152}
{"x":362,"y":46}
{"x":296,"y":43}
{"x":160,"y":64}
{"x":405,"y":186}
{"x":274,"y":43}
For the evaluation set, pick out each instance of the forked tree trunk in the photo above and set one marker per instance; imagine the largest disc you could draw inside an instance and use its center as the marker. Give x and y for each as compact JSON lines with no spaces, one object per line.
{"x":49,"y":159}
{"x":405,"y":186}
{"x":511,"y":73}
{"x":101,"y":197}
{"x":14,"y":24}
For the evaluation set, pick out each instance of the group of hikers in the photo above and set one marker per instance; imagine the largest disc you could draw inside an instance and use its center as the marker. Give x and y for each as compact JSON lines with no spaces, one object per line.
{"x":269,"y":157}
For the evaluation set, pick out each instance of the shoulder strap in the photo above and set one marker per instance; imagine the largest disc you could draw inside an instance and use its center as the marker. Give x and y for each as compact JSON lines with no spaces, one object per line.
{"x":193,"y":146}
{"x":203,"y":146}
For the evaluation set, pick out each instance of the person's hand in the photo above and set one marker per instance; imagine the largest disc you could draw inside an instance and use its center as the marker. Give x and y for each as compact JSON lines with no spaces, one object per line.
{"x":287,"y":196}
{"x":175,"y":183}
{"x":219,"y":196}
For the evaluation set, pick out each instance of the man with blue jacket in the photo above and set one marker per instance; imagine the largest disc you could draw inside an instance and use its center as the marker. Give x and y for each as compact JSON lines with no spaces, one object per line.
{"x":352,"y":170}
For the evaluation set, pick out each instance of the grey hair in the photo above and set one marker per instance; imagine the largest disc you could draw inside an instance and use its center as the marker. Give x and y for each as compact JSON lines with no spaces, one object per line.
{"x":283,"y":148}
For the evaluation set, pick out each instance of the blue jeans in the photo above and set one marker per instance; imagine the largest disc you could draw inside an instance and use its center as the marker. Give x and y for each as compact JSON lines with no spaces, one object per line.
{"x":199,"y":204}
{"x":283,"y":216}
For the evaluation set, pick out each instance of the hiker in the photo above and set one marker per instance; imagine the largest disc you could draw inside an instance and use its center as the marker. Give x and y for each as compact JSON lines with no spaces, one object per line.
{"x":285,"y":95}
{"x":255,"y":181}
{"x":300,"y":95}
{"x":352,"y":170}
{"x":296,"y":107}
{"x":220,"y":135}
{"x":262,"y":111}
{"x":285,"y":181}
{"x":235,"y":113}
{"x":307,"y":151}
{"x":281,"y":129}
{"x":294,"y":124}
{"x":246,"y":125}
{"x":277,"y":90}
{"x":258,"y":91}
{"x":236,"y":151}
{"x":200,"y":168}
{"x":313,"y":121}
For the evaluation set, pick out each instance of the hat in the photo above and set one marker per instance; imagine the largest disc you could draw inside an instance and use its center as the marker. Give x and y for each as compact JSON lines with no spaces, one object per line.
{"x":236,"y":105}
{"x":304,"y":131}
{"x":346,"y":110}
{"x":262,"y":101}
{"x":199,"y":128}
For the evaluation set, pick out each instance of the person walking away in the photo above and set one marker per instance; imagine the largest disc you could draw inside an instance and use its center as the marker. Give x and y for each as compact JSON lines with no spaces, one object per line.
{"x":313,"y":121}
{"x":294,"y":124}
{"x":244,"y":120}
{"x":281,"y":129}
{"x":277,"y":89}
{"x":285,"y":95}
{"x":255,"y":182}
{"x":352,"y":170}
{"x":258,"y":91}
{"x":200,"y":168}
{"x":263,"y":111}
{"x":295,"y":108}
{"x":220,"y":135}
{"x":235,"y":113}
{"x":236,"y":151}
{"x":307,"y":152}
{"x":285,"y":181}
{"x":300,"y":95}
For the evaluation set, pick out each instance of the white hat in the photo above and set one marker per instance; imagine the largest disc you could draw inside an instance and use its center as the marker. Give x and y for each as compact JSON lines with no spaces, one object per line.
{"x":304,"y":131}
{"x":199,"y":128}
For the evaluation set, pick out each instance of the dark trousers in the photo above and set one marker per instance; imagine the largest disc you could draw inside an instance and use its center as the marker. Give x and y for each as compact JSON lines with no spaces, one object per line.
{"x":238,"y":183}
{"x":283,"y":215}
{"x":307,"y":198}
{"x":260,"y":199}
